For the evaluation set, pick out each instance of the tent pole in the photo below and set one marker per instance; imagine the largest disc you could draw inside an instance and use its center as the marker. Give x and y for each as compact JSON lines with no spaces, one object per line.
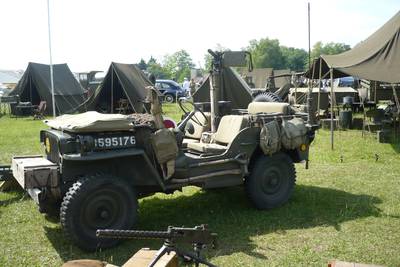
{"x":331,"y":108}
{"x":309,"y":96}
{"x":30,"y":88}
{"x":112,"y":90}
{"x":51,"y":61}
{"x":375,"y":92}
{"x":319,"y":85}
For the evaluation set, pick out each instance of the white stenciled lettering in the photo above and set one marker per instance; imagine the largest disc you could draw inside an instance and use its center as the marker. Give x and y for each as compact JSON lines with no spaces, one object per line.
{"x":108,"y":141}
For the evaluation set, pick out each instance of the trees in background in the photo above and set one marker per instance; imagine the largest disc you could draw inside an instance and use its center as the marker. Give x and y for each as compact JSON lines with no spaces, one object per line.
{"x":331,"y":48}
{"x":267,"y":53}
{"x":178,"y":65}
{"x":175,"y":66}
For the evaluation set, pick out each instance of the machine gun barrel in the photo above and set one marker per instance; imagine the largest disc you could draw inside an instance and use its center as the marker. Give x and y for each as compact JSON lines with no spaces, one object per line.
{"x":134,"y":234}
{"x":212,"y":53}
{"x":196,"y":235}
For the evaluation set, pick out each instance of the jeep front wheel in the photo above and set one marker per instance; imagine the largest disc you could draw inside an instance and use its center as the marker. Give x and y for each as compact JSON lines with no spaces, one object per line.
{"x":97,"y":202}
{"x":271,"y":181}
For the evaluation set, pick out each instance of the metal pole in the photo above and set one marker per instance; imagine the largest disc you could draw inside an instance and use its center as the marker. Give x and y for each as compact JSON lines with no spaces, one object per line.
{"x":331,"y":108}
{"x":309,"y":37}
{"x":112,"y":89}
{"x":51,"y":61}
{"x":214,"y":104}
{"x":319,"y":85}
{"x":309,"y":99}
{"x":309,"y":96}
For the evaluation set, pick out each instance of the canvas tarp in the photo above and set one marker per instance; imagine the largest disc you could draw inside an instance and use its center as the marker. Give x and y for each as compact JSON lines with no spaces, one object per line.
{"x":91,"y":121}
{"x":235,"y":90}
{"x":122,"y":81}
{"x":35,"y":86}
{"x":377,"y":58}
{"x":259,"y":76}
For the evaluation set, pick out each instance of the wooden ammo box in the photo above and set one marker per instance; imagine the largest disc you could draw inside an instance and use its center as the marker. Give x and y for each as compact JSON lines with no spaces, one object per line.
{"x":34,"y":173}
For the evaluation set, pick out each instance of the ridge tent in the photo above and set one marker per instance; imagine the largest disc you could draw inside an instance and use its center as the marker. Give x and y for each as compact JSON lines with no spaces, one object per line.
{"x":122,"y":81}
{"x":235,"y":90}
{"x":35,"y":86}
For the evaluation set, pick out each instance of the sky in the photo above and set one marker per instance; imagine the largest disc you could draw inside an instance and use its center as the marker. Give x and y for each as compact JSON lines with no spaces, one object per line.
{"x":90,"y":34}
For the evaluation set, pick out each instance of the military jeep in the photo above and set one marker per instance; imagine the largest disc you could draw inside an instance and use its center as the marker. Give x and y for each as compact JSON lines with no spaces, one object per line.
{"x":97,"y":166}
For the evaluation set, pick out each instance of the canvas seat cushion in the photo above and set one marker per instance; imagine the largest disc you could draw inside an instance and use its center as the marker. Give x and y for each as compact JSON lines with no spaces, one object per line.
{"x":268,"y":107}
{"x":189,"y":140}
{"x":207,"y":148}
{"x":228,"y":129}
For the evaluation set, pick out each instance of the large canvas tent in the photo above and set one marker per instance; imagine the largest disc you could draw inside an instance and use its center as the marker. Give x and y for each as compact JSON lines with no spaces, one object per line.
{"x":122,"y":81}
{"x":234,"y":89}
{"x":35,"y":86}
{"x":377,"y":58}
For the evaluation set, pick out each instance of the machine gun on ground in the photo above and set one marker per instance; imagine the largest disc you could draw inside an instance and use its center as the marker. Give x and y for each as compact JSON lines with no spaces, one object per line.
{"x":199,"y":236}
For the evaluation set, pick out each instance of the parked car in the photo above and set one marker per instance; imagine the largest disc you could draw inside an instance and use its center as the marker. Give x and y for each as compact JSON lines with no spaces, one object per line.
{"x":345,"y":82}
{"x":170,"y":89}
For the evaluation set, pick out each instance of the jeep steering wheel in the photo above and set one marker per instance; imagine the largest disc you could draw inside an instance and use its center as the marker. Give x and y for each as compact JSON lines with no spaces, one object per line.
{"x":186,"y":111}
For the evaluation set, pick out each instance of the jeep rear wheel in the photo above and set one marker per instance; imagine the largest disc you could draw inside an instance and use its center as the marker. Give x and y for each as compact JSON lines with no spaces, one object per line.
{"x":271,"y":181}
{"x":97,"y":202}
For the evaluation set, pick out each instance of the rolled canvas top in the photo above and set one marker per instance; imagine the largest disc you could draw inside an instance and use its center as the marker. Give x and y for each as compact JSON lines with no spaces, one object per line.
{"x":91,"y":121}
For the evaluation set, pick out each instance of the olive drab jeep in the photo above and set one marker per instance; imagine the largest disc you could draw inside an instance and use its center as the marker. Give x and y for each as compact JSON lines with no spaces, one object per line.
{"x":97,"y":166}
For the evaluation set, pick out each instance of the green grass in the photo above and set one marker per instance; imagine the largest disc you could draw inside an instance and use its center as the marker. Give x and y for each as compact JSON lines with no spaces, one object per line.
{"x":346,"y":210}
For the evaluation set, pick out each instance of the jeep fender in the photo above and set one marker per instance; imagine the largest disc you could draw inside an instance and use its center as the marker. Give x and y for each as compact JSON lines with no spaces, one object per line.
{"x":132,"y":164}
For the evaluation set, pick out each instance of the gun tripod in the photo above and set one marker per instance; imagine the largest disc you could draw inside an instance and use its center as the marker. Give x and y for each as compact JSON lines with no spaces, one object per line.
{"x":170,"y":246}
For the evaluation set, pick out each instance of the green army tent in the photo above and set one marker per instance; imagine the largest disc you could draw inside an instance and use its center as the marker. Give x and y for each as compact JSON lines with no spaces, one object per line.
{"x":377,"y":58}
{"x":234,"y":89}
{"x":122,"y":82}
{"x":35,"y":86}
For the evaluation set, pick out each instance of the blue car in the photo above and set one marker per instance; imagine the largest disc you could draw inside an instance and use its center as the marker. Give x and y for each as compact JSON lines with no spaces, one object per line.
{"x":170,"y":89}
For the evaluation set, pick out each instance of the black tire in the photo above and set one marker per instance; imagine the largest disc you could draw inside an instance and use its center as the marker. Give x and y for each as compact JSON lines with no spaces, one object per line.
{"x":271,"y":181}
{"x":267,"y":97}
{"x":168,"y":98}
{"x":97,"y":202}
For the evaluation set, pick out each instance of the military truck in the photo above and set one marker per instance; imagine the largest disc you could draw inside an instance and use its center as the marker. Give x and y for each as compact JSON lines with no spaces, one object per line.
{"x":97,"y":166}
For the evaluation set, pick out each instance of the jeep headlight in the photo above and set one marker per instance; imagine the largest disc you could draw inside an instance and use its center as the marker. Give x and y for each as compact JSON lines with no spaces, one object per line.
{"x":86,"y":143}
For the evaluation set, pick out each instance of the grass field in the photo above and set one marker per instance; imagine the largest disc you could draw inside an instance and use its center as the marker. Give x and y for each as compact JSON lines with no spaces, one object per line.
{"x":346,"y":206}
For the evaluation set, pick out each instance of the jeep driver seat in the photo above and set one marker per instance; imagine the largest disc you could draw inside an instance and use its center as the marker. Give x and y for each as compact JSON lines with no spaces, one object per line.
{"x":228,"y":129}
{"x":193,"y":130}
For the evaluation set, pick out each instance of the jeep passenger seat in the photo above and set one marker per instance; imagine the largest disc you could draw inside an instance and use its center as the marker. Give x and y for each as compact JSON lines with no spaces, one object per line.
{"x":228,"y":129}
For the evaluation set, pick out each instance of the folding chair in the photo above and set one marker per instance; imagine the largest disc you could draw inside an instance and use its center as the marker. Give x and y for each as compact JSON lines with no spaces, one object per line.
{"x":38,"y":113}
